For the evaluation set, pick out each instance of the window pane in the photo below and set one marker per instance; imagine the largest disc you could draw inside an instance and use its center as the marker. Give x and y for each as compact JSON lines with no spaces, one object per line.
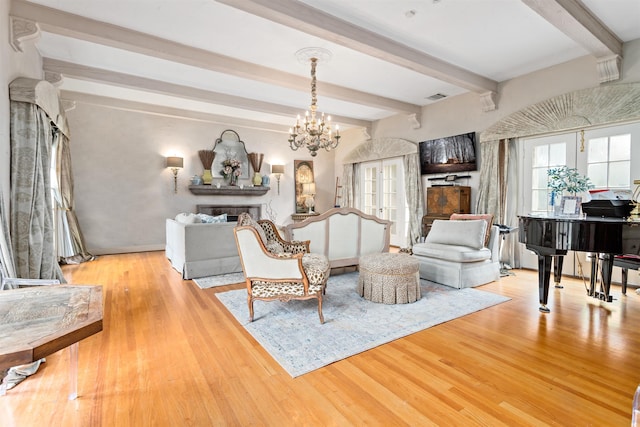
{"x":597,"y":173}
{"x":620,"y":148}
{"x":541,"y":155}
{"x":539,"y":200}
{"x":597,"y":151}
{"x":539,"y":178}
{"x":558,"y":154}
{"x":619,"y":174}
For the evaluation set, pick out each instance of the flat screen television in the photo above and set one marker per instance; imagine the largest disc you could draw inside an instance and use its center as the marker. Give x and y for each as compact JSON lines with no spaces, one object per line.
{"x":451,"y":154}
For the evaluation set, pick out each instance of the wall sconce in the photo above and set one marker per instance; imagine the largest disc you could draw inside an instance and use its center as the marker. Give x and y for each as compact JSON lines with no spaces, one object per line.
{"x":309,"y":190}
{"x":277,"y":170}
{"x":175,"y":163}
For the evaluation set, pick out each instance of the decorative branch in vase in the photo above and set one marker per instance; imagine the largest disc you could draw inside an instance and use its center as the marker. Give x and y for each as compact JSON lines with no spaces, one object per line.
{"x":563,"y":180}
{"x":207,"y":157}
{"x":256,"y":163}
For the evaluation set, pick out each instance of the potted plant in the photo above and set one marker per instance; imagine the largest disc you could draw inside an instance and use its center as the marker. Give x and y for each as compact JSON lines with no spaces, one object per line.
{"x":563,"y":180}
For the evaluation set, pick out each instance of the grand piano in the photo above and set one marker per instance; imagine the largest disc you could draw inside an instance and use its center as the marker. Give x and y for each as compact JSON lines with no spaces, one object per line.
{"x":550,"y":237}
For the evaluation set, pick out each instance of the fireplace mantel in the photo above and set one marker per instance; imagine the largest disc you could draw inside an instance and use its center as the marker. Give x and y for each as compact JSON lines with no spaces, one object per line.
{"x":228,"y":190}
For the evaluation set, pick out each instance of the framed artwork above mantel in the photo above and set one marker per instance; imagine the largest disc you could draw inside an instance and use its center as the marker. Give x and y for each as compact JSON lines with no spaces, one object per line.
{"x":229,"y":146}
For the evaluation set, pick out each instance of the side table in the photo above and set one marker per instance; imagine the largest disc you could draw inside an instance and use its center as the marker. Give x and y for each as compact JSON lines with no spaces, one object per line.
{"x":297,"y":217}
{"x":505,"y":230}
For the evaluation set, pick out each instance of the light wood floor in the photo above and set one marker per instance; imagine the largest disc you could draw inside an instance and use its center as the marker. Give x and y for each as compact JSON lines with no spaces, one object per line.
{"x":171,"y":355}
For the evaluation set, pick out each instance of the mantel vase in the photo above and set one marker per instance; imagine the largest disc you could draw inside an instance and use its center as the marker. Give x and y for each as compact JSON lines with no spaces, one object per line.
{"x":257,"y":179}
{"x":233,"y":179}
{"x":207,"y":177}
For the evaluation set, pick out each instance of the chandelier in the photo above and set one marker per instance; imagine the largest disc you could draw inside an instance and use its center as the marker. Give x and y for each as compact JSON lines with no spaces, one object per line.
{"x":313,"y":133}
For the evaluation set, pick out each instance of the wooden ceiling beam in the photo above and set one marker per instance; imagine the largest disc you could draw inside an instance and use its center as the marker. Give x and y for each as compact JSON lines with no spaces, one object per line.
{"x":82,"y":72}
{"x":313,"y":21}
{"x":75,"y":26}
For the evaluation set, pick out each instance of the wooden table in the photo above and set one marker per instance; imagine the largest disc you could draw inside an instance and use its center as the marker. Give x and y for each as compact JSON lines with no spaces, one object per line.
{"x":38,"y":321}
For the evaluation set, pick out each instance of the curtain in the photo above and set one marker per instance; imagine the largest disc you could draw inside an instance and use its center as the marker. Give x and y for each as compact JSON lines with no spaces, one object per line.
{"x":6,"y":254}
{"x":413,"y":186}
{"x":31,"y":228}
{"x":69,"y":240}
{"x":497,"y":194}
{"x":356,"y":185}
{"x":351,"y":185}
{"x":489,"y":189}
{"x":510,"y":252}
{"x":347,"y":185}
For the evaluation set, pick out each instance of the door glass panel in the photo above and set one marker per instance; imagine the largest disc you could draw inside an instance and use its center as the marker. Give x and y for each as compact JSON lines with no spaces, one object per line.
{"x":598,"y":148}
{"x":597,"y":173}
{"x":370,"y":189}
{"x":541,"y":156}
{"x":619,"y":175}
{"x":546,"y":156}
{"x":558,"y":154}
{"x":620,"y":147}
{"x":608,"y":161}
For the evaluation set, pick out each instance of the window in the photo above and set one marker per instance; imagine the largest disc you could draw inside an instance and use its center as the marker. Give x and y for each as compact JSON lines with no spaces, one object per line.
{"x":609,"y":161}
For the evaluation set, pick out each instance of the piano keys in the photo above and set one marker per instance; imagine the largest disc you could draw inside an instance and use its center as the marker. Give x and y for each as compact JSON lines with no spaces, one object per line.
{"x":551,"y":237}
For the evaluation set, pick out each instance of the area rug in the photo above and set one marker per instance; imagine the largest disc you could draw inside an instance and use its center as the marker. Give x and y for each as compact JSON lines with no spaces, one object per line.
{"x":220,"y":280}
{"x":291,"y":332}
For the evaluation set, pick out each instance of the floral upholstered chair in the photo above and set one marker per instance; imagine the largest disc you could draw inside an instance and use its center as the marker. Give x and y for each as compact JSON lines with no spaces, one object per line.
{"x":276,"y":274}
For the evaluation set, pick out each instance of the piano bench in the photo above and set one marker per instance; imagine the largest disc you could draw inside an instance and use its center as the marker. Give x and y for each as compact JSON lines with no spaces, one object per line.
{"x":626,"y":262}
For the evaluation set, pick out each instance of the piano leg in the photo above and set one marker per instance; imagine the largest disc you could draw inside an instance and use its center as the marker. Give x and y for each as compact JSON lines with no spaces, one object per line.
{"x":557,"y":270}
{"x":594,"y":274}
{"x":544,"y":274}
{"x":607,"y":270}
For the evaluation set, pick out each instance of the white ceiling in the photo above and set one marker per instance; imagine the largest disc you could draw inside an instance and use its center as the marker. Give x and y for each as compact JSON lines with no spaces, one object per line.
{"x":236,"y":58}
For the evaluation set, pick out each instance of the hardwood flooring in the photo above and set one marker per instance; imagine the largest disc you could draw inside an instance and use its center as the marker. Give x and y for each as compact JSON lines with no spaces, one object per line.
{"x":171,"y":355}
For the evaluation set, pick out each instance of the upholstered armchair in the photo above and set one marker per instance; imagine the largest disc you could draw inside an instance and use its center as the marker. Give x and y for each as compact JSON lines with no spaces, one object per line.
{"x":282,"y":276}
{"x":272,"y":234}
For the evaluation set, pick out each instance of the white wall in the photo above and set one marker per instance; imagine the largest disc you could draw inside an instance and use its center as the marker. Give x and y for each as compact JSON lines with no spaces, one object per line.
{"x":124,"y":192}
{"x":461,"y":114}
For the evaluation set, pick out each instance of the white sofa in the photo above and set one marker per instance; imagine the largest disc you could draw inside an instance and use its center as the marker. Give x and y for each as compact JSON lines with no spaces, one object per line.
{"x":342,"y":235}
{"x":456,"y":253}
{"x":199,"y":250}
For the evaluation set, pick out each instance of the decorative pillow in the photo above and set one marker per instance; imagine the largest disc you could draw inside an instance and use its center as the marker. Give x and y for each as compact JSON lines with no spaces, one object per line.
{"x":245,"y":219}
{"x":187,"y":218}
{"x":468,"y":233}
{"x":208,"y":219}
{"x":274,"y":247}
{"x":487,"y":217}
{"x":285,"y":255}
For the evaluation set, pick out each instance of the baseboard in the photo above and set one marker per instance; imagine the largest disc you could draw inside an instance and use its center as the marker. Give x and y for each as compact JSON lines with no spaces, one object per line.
{"x":126,"y":249}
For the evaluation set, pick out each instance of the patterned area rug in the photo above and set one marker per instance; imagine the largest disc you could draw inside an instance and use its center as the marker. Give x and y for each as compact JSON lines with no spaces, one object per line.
{"x":220,"y":280}
{"x":291,"y":332}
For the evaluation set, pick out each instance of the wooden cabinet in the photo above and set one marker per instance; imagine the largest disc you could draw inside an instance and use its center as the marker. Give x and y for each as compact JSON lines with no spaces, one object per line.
{"x":444,"y":200}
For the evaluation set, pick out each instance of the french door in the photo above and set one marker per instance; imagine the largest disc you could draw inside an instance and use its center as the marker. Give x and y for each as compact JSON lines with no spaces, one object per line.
{"x":609,"y":156}
{"x":540,"y":155}
{"x":382,"y":194}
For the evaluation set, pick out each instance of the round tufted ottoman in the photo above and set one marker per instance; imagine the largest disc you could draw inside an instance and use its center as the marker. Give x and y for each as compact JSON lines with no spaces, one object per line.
{"x":389,"y":278}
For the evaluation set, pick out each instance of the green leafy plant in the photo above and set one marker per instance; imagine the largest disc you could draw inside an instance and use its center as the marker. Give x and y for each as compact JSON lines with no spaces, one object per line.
{"x":567,"y":179}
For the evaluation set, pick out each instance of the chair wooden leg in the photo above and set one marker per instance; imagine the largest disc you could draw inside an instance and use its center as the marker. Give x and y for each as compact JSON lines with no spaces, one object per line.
{"x":250,"y":302}
{"x":320,"y":308}
{"x":625,"y":276}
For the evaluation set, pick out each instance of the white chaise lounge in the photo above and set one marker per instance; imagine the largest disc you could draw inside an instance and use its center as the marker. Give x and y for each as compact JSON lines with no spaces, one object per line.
{"x":457,"y":253}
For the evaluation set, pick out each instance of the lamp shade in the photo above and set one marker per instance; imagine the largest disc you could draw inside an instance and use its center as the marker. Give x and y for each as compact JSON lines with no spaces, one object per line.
{"x":175,"y":162}
{"x":309,"y":188}
{"x":277,"y":168}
